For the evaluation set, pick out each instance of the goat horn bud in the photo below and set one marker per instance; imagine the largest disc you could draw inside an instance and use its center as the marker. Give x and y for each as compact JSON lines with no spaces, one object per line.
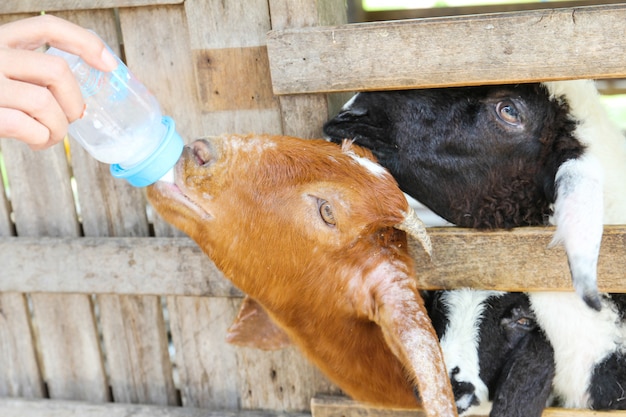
{"x":415,"y":229}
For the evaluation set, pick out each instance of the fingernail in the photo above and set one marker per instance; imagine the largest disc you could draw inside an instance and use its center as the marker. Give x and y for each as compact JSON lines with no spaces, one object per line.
{"x":108,"y":59}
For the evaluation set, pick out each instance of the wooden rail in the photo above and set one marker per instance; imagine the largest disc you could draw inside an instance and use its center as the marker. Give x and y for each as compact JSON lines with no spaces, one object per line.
{"x":335,"y":406}
{"x":539,"y":45}
{"x":11,"y":407}
{"x":515,"y":260}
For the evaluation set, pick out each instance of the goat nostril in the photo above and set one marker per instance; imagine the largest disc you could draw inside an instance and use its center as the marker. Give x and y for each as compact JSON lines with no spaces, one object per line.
{"x":202,"y":152}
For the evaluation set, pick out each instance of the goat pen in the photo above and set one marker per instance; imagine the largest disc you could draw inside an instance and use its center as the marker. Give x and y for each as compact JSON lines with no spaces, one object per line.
{"x":107,"y":310}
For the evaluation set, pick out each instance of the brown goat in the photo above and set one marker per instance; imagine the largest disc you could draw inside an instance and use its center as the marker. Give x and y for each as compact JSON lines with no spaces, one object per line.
{"x":314,"y":234}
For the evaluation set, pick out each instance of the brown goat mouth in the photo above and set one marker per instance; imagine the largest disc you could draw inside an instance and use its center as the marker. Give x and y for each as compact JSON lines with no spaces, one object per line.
{"x":178,"y":194}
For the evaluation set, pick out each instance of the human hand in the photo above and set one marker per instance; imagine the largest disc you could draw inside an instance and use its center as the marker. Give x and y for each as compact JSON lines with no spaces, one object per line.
{"x":39,"y":96}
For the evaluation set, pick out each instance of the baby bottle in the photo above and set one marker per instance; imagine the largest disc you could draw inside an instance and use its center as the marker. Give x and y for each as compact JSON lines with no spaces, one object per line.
{"x":122,"y":124}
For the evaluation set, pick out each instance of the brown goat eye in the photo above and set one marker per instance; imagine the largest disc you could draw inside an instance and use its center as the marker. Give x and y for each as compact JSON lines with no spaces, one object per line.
{"x":326,"y":211}
{"x":508,"y":113}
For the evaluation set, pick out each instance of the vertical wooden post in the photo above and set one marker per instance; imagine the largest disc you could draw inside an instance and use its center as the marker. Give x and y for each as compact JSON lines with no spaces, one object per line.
{"x":232,"y":93}
{"x":20,"y":375}
{"x":133,"y":331}
{"x":303,"y":115}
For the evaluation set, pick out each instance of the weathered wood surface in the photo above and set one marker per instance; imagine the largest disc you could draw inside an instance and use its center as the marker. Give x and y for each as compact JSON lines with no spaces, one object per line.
{"x":303,"y":115}
{"x":183,"y":53}
{"x":505,"y":260}
{"x":340,"y":406}
{"x":136,"y":345}
{"x":429,"y":12}
{"x":44,"y":206}
{"x":116,"y":265}
{"x":20,"y":371}
{"x":160,"y":56}
{"x":11,"y":407}
{"x":519,"y":260}
{"x":232,"y":87}
{"x":133,"y":333}
{"x":18,"y":359}
{"x":335,"y":406}
{"x":583,"y":42}
{"x":36,"y":6}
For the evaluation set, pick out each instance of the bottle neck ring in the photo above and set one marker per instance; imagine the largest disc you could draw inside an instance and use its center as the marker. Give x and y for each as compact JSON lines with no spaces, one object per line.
{"x":155,"y":166}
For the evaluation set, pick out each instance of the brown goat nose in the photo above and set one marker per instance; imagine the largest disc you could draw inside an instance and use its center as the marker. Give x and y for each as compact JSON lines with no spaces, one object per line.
{"x":203,"y":151}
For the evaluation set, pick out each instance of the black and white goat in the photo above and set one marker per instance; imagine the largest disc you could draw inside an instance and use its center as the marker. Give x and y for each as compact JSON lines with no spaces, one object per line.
{"x":494,"y":350}
{"x":515,"y":155}
{"x":507,"y":355}
{"x":501,"y":157}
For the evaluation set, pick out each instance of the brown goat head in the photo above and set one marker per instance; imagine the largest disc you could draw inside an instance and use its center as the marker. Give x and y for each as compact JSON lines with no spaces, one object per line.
{"x":311,"y":232}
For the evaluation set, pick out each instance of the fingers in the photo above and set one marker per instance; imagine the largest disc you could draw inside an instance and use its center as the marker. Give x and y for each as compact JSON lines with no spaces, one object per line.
{"x":41,"y":30}
{"x":39,"y":96}
{"x":18,"y":125}
{"x":40,"y":70}
{"x":31,"y":113}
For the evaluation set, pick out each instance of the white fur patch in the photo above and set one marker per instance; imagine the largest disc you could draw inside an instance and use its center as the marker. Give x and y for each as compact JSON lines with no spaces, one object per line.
{"x":373,"y":167}
{"x":581,"y":338}
{"x":578,"y":215}
{"x":251,"y":144}
{"x":603,"y":138}
{"x":460,"y":340}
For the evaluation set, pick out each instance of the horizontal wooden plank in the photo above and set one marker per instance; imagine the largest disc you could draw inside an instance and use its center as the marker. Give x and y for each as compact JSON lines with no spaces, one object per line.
{"x":378,"y":15}
{"x":335,"y":406}
{"x":516,"y":260}
{"x":553,"y":44}
{"x":14,"y":407}
{"x":36,"y":6}
{"x":339,"y":406}
{"x":505,"y":260}
{"x":173,"y":266}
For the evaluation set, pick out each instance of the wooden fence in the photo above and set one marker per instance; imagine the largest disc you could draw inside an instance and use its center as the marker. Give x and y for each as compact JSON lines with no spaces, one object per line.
{"x":107,"y":310}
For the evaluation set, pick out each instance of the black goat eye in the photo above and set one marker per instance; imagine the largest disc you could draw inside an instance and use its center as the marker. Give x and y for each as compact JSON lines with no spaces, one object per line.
{"x":508,"y":113}
{"x":326,"y":212}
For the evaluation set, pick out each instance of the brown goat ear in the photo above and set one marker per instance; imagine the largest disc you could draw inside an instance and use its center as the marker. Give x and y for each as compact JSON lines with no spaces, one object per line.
{"x":407,"y":329}
{"x":416,"y":232}
{"x":254,"y":328}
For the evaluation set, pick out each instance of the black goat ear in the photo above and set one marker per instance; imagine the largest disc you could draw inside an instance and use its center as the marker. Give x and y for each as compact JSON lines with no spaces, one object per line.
{"x":525,"y":383}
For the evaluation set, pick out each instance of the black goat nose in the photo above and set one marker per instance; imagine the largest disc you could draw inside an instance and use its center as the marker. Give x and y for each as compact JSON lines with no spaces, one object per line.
{"x":464,"y":392}
{"x":462,"y":388}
